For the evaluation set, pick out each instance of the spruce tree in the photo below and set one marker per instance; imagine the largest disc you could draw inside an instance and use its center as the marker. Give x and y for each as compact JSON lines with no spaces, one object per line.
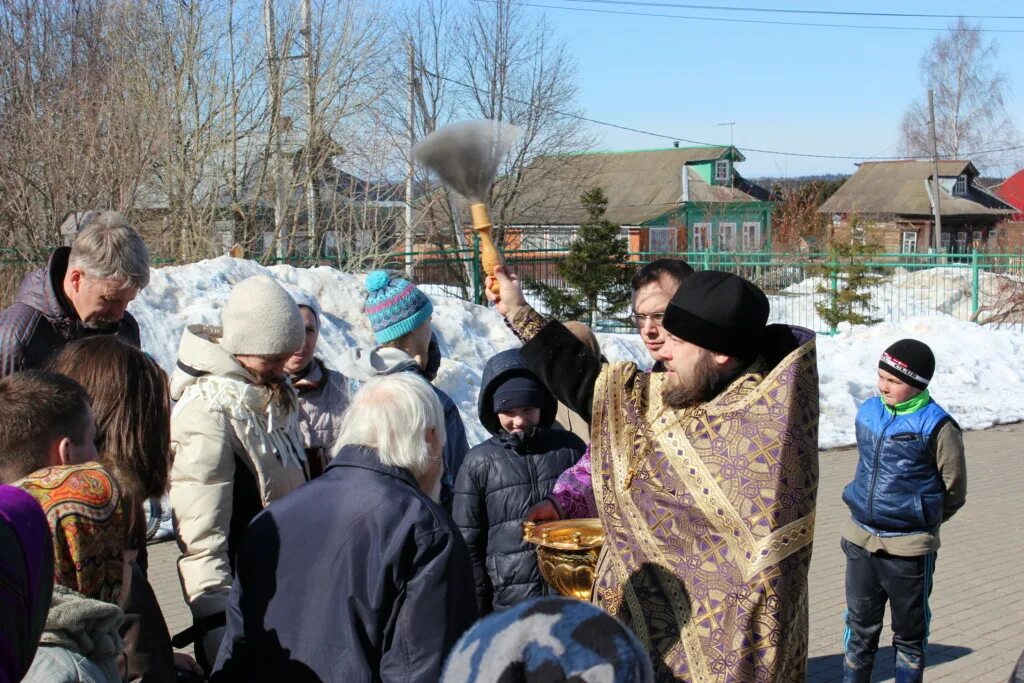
{"x":852,"y":278}
{"x":596,"y":270}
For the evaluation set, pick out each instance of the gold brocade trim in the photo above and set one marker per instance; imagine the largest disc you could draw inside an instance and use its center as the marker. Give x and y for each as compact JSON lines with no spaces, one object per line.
{"x":633,"y":422}
{"x":751,"y":554}
{"x":615,"y":386}
{"x":527,"y":323}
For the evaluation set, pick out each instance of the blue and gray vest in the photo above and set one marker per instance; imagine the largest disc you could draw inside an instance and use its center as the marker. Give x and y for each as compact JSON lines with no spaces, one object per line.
{"x":897,"y":487}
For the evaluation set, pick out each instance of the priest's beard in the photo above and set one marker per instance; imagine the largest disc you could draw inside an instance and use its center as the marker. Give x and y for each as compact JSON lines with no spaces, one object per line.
{"x":279,"y":390}
{"x":706,"y":381}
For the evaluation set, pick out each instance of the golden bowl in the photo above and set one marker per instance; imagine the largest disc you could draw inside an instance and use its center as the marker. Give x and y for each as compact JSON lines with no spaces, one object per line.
{"x":567,"y":553}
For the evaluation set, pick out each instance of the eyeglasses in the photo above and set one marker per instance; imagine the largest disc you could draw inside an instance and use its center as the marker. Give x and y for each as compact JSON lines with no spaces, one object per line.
{"x":655,"y":318}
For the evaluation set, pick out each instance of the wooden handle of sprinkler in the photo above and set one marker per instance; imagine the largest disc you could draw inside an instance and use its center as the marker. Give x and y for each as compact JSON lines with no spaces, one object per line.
{"x":490,"y":257}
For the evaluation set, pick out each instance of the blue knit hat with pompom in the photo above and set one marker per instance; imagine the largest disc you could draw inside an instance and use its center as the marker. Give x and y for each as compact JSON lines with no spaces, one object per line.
{"x":394,"y":306}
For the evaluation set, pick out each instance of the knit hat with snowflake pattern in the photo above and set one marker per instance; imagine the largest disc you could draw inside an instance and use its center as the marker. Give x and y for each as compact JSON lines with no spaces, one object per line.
{"x":394,"y":306}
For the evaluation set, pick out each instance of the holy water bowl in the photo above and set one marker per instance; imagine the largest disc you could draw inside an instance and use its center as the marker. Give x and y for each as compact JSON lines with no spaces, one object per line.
{"x":567,"y":553}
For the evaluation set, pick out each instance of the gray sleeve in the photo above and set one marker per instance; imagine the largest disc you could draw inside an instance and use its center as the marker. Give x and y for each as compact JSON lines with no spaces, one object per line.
{"x":952,"y":464}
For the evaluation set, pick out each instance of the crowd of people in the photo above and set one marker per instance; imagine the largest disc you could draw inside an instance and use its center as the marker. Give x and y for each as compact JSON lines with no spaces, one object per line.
{"x":334,"y":523}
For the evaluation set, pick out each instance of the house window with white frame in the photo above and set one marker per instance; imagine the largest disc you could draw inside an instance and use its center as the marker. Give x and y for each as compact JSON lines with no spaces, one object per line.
{"x":546,"y":237}
{"x":726,"y":237}
{"x":993,"y":238}
{"x":977,"y":239}
{"x":960,"y":186}
{"x":908,"y":245}
{"x":722,"y":170}
{"x":947,"y":240}
{"x":751,"y":235}
{"x":961,"y":242}
{"x":701,"y":237}
{"x":662,"y":240}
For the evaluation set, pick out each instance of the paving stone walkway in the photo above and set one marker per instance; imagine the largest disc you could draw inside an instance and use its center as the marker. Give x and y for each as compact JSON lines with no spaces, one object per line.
{"x":978,"y":599}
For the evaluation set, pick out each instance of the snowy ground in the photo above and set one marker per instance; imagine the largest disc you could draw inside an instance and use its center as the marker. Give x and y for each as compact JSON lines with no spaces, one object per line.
{"x":979,"y":378}
{"x":904,"y":294}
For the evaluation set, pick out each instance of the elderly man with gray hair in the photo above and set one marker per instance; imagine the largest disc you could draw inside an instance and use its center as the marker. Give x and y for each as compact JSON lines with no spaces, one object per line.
{"x":359,"y":575}
{"x":84,"y":290}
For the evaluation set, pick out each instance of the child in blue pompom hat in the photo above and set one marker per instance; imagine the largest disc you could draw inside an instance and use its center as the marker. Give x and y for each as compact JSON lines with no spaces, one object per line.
{"x":396,"y":308}
{"x":400,"y":314}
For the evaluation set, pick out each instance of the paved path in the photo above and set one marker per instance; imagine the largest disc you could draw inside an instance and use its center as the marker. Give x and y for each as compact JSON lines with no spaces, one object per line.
{"x":978,"y":600}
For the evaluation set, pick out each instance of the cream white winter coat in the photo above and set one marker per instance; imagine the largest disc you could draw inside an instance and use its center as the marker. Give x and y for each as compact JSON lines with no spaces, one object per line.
{"x":222,"y":421}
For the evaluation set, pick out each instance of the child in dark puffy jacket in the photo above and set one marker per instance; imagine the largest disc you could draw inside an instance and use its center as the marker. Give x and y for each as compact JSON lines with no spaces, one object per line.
{"x":504,"y":476}
{"x":911,"y":477}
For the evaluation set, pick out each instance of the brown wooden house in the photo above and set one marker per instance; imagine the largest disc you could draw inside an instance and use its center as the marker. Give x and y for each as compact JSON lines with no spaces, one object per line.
{"x":892,"y":202}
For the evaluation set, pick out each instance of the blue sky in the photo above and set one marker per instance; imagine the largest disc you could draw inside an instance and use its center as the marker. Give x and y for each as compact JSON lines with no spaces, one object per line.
{"x":818,"y":90}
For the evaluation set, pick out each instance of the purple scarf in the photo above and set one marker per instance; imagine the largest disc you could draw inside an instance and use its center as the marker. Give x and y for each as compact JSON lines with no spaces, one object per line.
{"x":26,"y":580}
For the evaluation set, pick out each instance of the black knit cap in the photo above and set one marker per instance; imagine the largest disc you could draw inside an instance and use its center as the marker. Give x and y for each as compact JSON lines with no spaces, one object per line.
{"x":910,"y":360}
{"x":518,"y":392}
{"x":720,"y":312}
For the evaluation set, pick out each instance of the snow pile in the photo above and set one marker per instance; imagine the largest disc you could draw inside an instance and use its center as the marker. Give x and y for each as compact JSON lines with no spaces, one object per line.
{"x":979,"y":374}
{"x":905,"y":293}
{"x":979,"y":379}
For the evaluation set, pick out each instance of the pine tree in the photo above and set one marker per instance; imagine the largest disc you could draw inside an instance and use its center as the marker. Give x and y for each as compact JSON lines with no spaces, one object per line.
{"x":848,"y":299}
{"x":596,"y":270}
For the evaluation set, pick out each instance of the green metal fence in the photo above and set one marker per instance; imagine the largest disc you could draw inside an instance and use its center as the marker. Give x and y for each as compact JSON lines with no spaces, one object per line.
{"x":987,"y":288}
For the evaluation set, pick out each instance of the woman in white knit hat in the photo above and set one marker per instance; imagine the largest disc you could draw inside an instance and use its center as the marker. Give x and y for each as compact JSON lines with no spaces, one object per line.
{"x":236,"y":441}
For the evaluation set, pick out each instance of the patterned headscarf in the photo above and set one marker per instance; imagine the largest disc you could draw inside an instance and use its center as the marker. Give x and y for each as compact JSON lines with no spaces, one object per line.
{"x":549,"y":639}
{"x":89,"y":527}
{"x":26,"y":580}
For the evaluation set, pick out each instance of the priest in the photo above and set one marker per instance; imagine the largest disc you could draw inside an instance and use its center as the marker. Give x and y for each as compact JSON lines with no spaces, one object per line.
{"x":705,"y":477}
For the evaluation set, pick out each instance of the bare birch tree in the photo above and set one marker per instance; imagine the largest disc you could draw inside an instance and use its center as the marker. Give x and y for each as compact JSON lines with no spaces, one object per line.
{"x":489,"y":60}
{"x":970,"y":107}
{"x":73,"y":127}
{"x":517,"y":69}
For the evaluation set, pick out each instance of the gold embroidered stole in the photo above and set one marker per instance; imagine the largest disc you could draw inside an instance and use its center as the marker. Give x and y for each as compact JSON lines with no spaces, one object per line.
{"x":701,"y":508}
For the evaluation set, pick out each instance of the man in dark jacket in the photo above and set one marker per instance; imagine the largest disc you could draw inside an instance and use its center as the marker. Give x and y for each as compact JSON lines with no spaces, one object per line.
{"x":504,"y":476}
{"x":84,"y":290}
{"x":358,"y":575}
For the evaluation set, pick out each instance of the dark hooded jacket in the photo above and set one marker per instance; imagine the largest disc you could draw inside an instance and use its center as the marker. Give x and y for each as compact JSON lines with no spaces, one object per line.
{"x":355,"y":577}
{"x":41,"y":321}
{"x":500,"y":480}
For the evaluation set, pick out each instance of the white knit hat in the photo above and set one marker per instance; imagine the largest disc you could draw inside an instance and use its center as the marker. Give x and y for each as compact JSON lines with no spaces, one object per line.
{"x":261,"y":319}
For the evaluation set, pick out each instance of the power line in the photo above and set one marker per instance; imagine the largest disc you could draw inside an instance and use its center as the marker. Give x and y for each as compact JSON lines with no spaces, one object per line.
{"x":676,"y":138}
{"x":747,"y":21}
{"x":777,"y":10}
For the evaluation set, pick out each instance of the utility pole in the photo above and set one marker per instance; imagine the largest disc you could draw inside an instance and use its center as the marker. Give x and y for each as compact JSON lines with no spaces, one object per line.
{"x":936,"y":208}
{"x":274,"y":73}
{"x":312,"y":133}
{"x":410,"y":164}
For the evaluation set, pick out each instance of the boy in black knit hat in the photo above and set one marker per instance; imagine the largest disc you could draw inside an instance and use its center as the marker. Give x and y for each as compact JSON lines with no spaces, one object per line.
{"x":911,"y":477}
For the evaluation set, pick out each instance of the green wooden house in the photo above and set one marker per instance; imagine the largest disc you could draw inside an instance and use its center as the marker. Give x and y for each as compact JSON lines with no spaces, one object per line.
{"x":666,"y":200}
